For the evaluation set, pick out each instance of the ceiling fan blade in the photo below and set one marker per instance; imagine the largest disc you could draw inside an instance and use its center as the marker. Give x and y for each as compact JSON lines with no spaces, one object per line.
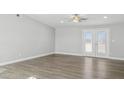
{"x":75,"y":18}
{"x":84,"y":19}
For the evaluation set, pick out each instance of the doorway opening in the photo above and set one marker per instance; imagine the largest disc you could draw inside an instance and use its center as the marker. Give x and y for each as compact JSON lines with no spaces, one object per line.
{"x":96,"y":42}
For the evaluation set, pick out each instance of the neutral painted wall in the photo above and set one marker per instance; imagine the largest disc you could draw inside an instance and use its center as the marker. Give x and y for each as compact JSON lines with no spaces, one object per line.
{"x":117,"y":47}
{"x":23,"y":37}
{"x":69,"y":39}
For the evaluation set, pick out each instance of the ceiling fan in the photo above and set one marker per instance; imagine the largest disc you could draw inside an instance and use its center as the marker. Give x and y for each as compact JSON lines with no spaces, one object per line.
{"x":76,"y":18}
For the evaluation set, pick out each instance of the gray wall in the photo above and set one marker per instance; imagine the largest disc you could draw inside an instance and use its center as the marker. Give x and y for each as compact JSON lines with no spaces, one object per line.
{"x":23,"y":37}
{"x":117,"y":47}
{"x":69,"y":39}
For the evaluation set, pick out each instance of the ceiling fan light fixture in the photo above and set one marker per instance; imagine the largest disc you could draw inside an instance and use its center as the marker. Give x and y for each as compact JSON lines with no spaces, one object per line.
{"x":76,"y":18}
{"x":76,"y":21}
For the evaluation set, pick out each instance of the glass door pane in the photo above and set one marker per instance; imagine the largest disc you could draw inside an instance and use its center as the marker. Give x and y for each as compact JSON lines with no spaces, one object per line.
{"x":101,"y":43}
{"x":88,"y":43}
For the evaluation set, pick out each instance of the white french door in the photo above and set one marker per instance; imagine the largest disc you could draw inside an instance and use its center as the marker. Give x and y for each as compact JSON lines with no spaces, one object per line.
{"x":96,"y":42}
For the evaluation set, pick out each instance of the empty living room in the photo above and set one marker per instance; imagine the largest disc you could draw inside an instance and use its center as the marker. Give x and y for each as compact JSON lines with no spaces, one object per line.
{"x":62,"y":46}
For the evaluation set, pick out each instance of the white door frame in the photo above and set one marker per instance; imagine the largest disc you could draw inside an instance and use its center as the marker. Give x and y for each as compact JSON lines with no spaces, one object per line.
{"x":95,"y":30}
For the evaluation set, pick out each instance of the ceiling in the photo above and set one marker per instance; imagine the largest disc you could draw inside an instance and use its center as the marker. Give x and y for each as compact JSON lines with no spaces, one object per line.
{"x":54,"y":20}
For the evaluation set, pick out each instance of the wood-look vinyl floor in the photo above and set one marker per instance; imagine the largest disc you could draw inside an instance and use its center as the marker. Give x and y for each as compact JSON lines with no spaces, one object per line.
{"x":64,"y":67}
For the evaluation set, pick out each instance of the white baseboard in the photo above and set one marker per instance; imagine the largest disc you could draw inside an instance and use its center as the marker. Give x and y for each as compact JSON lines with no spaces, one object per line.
{"x":115,"y":58}
{"x":24,"y":59}
{"x":63,"y":53}
{"x":75,"y":54}
{"x":46,"y":54}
